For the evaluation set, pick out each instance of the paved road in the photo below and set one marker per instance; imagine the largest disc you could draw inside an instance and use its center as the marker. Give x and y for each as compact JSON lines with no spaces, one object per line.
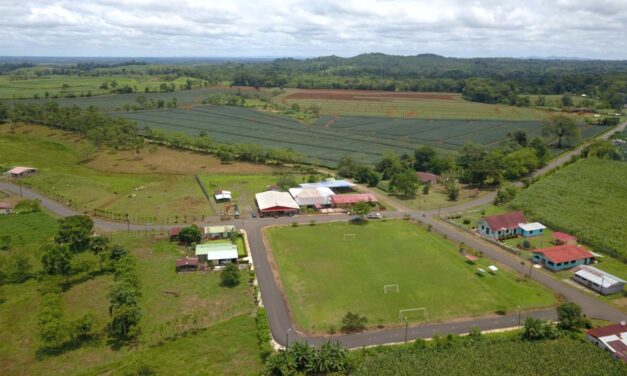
{"x":280,"y":322}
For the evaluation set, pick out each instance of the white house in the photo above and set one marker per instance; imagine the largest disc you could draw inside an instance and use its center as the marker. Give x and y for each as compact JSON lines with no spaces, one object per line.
{"x":597,"y":280}
{"x":219,"y":253}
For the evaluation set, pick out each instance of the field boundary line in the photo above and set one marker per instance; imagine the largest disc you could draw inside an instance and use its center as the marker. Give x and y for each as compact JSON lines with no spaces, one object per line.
{"x":207,"y":195}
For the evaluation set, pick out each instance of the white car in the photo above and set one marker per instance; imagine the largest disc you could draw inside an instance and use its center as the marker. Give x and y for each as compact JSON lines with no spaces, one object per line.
{"x":375,"y":216}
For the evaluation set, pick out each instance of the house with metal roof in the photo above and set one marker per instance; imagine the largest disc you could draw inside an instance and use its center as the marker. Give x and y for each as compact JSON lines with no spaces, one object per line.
{"x":562,"y":257}
{"x":186,"y":264}
{"x":317,"y":197}
{"x":427,"y":177}
{"x":531,"y":229}
{"x":501,"y":225}
{"x":276,"y":203}
{"x":19,"y":172}
{"x":217,"y":232}
{"x":612,"y":338}
{"x":219,"y":253}
{"x":598,"y":280}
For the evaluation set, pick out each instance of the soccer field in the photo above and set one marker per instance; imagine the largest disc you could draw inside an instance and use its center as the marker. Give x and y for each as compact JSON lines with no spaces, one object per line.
{"x":326,"y":273}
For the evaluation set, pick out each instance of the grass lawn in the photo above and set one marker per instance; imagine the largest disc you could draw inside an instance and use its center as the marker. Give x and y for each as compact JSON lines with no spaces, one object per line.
{"x":587,"y":199}
{"x":324,"y":276}
{"x":475,"y":215}
{"x":166,"y":296}
{"x":436,"y":198}
{"x":156,"y":186}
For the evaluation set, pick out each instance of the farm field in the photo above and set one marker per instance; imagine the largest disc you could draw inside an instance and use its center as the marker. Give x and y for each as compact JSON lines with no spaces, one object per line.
{"x":587,"y":199}
{"x":324,"y":276}
{"x":407,"y":105}
{"x":27,"y":86}
{"x":156,"y":186}
{"x":495,"y":357}
{"x":113,"y":102}
{"x":226,"y":319}
{"x":329,"y":139}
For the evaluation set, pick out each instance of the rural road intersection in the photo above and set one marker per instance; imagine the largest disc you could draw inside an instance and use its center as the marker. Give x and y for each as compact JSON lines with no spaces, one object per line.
{"x":281,"y":324}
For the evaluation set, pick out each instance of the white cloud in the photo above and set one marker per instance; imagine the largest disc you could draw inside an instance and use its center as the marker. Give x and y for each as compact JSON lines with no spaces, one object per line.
{"x":310,"y":28}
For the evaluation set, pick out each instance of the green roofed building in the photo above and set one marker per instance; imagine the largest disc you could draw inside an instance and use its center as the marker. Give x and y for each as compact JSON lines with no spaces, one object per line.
{"x":219,"y":252}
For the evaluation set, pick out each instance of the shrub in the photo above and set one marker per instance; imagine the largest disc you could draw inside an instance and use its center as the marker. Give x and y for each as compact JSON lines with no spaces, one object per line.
{"x":230,"y":275}
{"x":466,"y":221}
{"x":353,"y":322}
{"x":263,"y":333}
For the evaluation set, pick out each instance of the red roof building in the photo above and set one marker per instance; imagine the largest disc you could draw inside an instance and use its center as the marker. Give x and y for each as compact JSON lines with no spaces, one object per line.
{"x":427,"y":177}
{"x":562,"y":257}
{"x":564,"y":238}
{"x":187,"y":264}
{"x":502,"y":225}
{"x":612,"y":338}
{"x":345,"y":200}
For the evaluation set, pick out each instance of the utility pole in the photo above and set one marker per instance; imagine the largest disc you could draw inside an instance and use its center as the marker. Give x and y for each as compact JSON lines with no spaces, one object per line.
{"x":519,"y":315}
{"x":20,"y":182}
{"x":287,"y":343}
{"x":406,"y":325}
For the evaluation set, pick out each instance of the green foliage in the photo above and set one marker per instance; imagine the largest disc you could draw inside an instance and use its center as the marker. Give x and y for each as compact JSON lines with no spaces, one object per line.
{"x":353,"y":322}
{"x":286,"y":181}
{"x":520,"y":163}
{"x":390,"y":165}
{"x":603,"y":149}
{"x":564,"y":129}
{"x":505,"y":195}
{"x":230,"y":275}
{"x":15,"y":267}
{"x":53,"y":331}
{"x":264,"y":337}
{"x":136,"y":365}
{"x":404,"y":182}
{"x":190,"y":234}
{"x":571,"y":318}
{"x":452,"y":190}
{"x":361,"y":209}
{"x":300,"y":358}
{"x":56,"y":259}
{"x":536,"y":329}
{"x":124,"y":296}
{"x":75,"y":232}
{"x":27,"y":206}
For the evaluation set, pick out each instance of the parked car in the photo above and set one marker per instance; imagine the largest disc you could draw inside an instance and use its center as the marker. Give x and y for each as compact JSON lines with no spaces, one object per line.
{"x":375,"y":216}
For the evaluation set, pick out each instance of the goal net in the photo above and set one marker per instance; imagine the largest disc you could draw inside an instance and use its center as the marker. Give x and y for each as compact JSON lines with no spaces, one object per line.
{"x":390,"y":288}
{"x":349,"y":237}
{"x":413,"y":314}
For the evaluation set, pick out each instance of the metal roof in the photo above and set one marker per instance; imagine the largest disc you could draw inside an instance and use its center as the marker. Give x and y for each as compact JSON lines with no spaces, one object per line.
{"x":598,"y":276}
{"x":217,"y":250}
{"x":329,"y":183}
{"x":218,"y":229}
{"x":271,"y":199}
{"x":312,"y":196}
{"x":20,"y":169}
{"x":533,"y":226}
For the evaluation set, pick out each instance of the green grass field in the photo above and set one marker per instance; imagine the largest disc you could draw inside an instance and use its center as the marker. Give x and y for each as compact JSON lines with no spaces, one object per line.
{"x":226,"y":345}
{"x":27,"y":86}
{"x":587,"y":199}
{"x":324,"y":276}
{"x":156,"y":187}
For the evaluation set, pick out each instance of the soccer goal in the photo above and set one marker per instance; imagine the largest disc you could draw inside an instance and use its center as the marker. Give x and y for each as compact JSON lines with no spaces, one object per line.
{"x":413,"y":313}
{"x":390,"y":288}
{"x":349,"y":237}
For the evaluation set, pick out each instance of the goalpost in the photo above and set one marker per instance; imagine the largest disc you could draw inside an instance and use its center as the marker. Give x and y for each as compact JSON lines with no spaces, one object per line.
{"x":392,"y":288}
{"x":349,"y":237}
{"x":403,"y":313}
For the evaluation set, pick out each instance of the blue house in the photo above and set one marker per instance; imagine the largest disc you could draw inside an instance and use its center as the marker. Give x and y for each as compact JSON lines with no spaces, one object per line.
{"x":531,"y":229}
{"x":562,"y":257}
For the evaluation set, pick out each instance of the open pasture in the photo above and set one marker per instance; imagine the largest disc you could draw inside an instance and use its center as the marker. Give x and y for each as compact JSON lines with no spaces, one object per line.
{"x":330,"y":138}
{"x":324,"y":274}
{"x":407,"y":105}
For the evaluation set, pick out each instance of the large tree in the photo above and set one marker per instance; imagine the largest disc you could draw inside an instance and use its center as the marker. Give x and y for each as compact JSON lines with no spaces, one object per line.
{"x":404,"y":182}
{"x":190,"y":234}
{"x":75,"y":231}
{"x":562,"y":127}
{"x":56,"y":259}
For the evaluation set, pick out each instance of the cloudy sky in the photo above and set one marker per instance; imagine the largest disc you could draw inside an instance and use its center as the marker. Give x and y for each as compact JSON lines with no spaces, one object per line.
{"x":205,"y":28}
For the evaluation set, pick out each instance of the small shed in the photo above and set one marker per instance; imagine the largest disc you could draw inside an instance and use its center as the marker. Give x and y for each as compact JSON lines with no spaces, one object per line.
{"x":174,"y":233}
{"x":597,"y":280}
{"x":187,"y":264}
{"x":220,"y":253}
{"x":222,"y":195}
{"x":528,"y":230}
{"x":5,"y":208}
{"x":20,"y":172}
{"x":427,"y":177}
{"x":563,"y":238}
{"x":217,"y":232}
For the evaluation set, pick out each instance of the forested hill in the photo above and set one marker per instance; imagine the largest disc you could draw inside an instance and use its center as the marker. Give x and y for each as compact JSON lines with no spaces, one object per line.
{"x":505,"y":77}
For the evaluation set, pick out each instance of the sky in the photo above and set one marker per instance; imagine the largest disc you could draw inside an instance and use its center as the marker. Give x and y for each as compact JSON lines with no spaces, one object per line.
{"x":305,"y":28}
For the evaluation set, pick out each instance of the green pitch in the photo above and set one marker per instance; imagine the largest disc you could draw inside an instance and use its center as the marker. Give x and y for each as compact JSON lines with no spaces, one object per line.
{"x":324,"y":276}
